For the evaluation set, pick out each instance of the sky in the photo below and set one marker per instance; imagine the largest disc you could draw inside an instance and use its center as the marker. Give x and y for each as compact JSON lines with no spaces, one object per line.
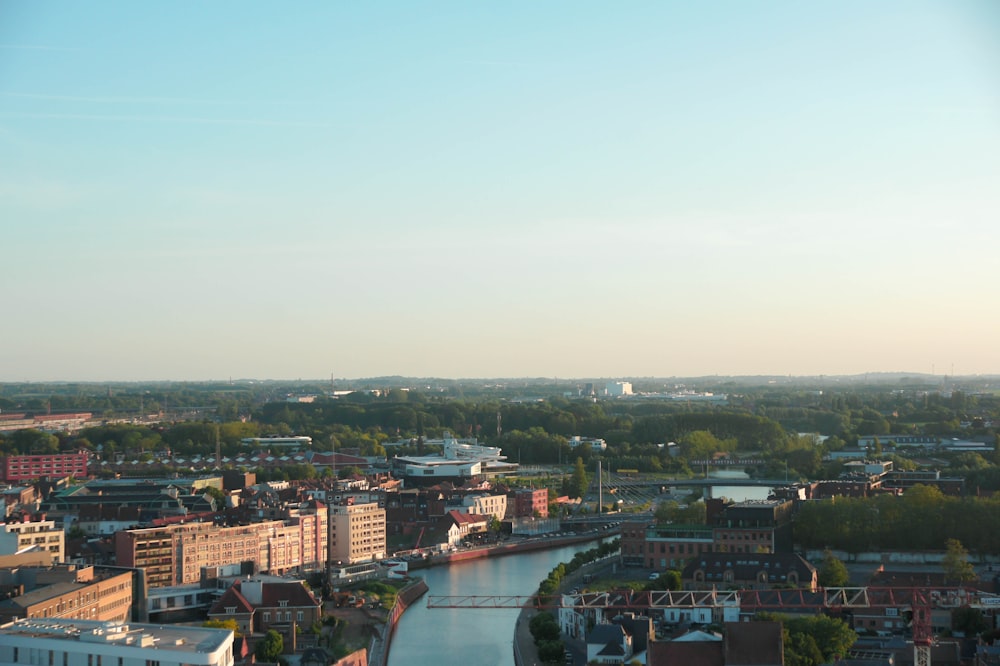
{"x":193,"y":191}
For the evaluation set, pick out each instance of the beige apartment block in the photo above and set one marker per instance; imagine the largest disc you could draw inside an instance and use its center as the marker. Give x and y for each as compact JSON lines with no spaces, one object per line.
{"x":357,"y":533}
{"x":176,"y":554}
{"x":40,"y":534}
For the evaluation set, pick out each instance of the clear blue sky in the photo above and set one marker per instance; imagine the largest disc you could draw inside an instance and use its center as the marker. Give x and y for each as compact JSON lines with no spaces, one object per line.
{"x":565,"y":189}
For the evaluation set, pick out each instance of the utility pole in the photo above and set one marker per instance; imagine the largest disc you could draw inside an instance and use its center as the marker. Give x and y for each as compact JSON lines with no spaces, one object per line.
{"x":600,"y":488}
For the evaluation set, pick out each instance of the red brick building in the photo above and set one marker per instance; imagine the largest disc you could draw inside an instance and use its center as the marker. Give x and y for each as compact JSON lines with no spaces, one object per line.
{"x":57,"y":465}
{"x":530,"y":502}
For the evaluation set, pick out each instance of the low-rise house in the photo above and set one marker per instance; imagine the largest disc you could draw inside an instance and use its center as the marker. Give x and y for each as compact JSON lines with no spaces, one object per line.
{"x":460,"y":526}
{"x":608,"y":644}
{"x":258,"y":606}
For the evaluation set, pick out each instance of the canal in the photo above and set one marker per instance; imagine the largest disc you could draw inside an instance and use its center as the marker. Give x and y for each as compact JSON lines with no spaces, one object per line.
{"x":447,"y":636}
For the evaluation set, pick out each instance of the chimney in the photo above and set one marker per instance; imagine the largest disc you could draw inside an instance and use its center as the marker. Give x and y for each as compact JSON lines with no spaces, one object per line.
{"x":253,"y":591}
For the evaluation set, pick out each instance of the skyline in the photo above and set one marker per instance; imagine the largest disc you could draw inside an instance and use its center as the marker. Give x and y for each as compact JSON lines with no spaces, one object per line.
{"x":571,"y":190}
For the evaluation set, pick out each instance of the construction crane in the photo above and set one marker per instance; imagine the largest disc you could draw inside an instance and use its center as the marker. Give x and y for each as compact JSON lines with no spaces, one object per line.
{"x":916,"y":600}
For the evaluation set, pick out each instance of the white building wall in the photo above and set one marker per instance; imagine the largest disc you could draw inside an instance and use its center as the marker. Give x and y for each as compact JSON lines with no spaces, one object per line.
{"x":55,"y":643}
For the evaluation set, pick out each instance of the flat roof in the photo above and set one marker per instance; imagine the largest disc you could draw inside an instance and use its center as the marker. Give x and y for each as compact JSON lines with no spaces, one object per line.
{"x":166,"y":637}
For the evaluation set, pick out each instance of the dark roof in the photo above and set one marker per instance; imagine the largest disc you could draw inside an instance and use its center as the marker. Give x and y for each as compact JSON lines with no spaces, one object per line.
{"x":753,"y":643}
{"x":611,"y":636}
{"x":695,"y":653}
{"x":314,"y":656}
{"x":295,"y":593}
{"x":746,"y":566}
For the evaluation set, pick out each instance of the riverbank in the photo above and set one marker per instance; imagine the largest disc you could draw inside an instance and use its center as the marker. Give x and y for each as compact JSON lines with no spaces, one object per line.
{"x":378,"y":652}
{"x":512,"y":548}
{"x":525,"y":650}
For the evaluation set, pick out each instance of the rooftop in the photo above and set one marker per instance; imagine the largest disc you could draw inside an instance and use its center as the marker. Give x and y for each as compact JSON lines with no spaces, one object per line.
{"x":147,"y":636}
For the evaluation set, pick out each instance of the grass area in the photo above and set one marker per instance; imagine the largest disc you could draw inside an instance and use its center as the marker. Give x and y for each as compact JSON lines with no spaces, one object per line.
{"x":385,"y":592}
{"x":609,"y":584}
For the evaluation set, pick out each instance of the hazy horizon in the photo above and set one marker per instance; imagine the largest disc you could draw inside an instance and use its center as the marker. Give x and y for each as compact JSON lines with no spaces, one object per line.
{"x":873,"y":377}
{"x":658,"y":189}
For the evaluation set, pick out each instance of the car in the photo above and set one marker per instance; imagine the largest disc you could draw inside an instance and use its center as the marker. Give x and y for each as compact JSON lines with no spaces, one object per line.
{"x":654,"y":576}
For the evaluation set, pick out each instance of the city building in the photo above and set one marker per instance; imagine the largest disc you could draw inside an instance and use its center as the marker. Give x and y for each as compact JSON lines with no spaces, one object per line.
{"x":618,"y":389}
{"x":672,"y":546}
{"x":529,"y":503}
{"x":483,"y":504}
{"x":68,"y":592}
{"x":57,"y":465}
{"x":760,"y":571}
{"x":71,"y":422}
{"x":593,"y":443}
{"x":460,"y":461}
{"x":62,"y":642}
{"x":300,"y":442}
{"x":744,"y":644}
{"x":312,"y":518}
{"x":754,"y":526}
{"x":175,"y":554}
{"x":357,"y":533}
{"x":258,"y":606}
{"x":39,"y":534}
{"x":460,"y":527}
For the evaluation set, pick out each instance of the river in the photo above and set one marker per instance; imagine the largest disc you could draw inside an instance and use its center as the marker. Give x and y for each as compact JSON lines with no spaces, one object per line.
{"x":448,"y":636}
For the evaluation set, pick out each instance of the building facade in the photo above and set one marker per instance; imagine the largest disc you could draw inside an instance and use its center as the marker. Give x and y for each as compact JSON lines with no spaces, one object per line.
{"x":530,"y":503}
{"x":357,"y":533}
{"x":69,"y":592}
{"x":40,"y":534}
{"x":176,"y":554}
{"x":761,"y":526}
{"x":57,"y":465}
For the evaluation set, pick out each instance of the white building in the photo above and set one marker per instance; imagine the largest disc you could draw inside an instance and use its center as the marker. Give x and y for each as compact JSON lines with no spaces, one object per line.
{"x":597,"y":445}
{"x":484,"y":504}
{"x":460,"y":459}
{"x":90,"y":643}
{"x":618,"y":389}
{"x":301,"y":442}
{"x":39,"y":534}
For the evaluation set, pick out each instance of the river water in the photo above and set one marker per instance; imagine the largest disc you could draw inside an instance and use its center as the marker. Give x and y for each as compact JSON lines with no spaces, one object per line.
{"x":457,"y":637}
{"x":449,"y":636}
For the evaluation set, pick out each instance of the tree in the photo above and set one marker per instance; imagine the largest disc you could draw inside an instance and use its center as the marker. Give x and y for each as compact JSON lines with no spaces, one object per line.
{"x":223,"y":624}
{"x":969,"y":621}
{"x":270,"y":647}
{"x":832,"y":572}
{"x":810,"y":641}
{"x":544,"y":627}
{"x":957,"y":567}
{"x":668,"y":580}
{"x":578,"y":482}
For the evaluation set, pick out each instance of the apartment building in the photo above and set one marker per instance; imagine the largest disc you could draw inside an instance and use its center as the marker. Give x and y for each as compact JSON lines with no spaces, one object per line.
{"x":176,"y":554}
{"x":57,"y":465}
{"x":68,"y":592}
{"x":357,"y":533}
{"x":313,"y":520}
{"x":529,"y":502}
{"x":40,"y":534}
{"x":754,"y":526}
{"x":483,"y":504}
